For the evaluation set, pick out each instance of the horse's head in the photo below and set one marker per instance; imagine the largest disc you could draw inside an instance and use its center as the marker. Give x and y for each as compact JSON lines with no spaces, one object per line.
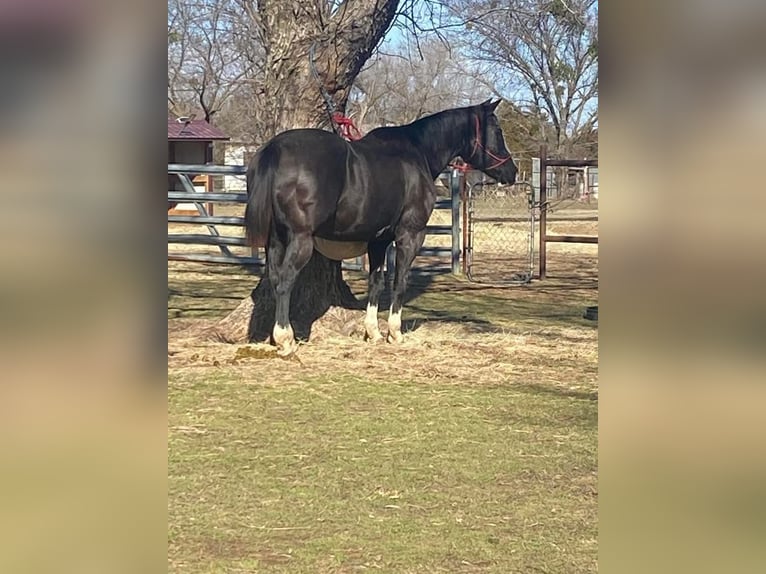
{"x":486,"y":149}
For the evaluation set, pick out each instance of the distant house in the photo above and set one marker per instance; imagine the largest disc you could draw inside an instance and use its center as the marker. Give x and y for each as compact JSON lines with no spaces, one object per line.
{"x":237,"y":153}
{"x":190,"y":141}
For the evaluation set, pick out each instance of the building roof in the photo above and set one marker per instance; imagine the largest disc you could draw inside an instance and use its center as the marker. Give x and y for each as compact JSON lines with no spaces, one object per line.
{"x":194,"y":130}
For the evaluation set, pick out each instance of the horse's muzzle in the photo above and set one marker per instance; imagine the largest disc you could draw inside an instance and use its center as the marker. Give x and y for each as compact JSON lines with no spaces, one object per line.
{"x":507,"y":176}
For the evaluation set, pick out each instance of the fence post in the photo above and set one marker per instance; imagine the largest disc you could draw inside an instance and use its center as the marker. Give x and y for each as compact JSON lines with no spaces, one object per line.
{"x":454,"y":182}
{"x":464,"y":200}
{"x":535,"y":180}
{"x":543,"y":207}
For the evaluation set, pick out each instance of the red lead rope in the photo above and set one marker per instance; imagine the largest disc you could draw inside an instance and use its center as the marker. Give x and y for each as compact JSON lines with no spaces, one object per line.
{"x":461,"y":166}
{"x":346,"y":127}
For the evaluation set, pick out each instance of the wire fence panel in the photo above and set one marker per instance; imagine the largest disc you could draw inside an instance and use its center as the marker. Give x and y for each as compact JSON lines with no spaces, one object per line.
{"x":501,"y":232}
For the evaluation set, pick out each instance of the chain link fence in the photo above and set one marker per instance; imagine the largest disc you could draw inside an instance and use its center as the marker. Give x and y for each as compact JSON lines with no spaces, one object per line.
{"x":500,"y":234}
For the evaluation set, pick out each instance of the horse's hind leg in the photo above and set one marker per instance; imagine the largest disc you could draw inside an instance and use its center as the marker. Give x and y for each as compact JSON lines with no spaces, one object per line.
{"x":377,"y":255}
{"x":283,"y":275}
{"x":407,"y":246}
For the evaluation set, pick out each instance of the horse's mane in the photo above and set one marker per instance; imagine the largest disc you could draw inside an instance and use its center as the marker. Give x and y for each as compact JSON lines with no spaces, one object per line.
{"x":421,"y":130}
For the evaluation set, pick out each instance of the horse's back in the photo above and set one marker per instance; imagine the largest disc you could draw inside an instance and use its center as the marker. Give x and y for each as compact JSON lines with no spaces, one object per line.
{"x":335,"y":189}
{"x":309,"y":149}
{"x":325,"y":155}
{"x":314,"y":160}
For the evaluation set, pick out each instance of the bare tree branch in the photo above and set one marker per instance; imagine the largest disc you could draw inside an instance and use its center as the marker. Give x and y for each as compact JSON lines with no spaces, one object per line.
{"x":542,"y":51}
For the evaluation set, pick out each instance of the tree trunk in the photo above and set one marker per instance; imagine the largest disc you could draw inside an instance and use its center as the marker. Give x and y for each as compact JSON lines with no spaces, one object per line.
{"x":320,"y":286}
{"x":343,"y":41}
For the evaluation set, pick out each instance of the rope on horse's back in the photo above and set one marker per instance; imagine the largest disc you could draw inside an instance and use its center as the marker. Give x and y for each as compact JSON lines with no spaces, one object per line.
{"x":341,"y":124}
{"x":327,"y":98}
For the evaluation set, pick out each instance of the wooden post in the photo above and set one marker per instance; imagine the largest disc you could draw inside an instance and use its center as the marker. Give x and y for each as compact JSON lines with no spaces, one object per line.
{"x":207,"y":183}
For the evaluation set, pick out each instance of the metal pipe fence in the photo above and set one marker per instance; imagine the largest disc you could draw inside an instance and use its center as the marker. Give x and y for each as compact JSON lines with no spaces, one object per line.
{"x":203,"y":217}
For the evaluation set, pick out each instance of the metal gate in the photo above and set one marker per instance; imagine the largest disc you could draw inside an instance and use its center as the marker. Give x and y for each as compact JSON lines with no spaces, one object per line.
{"x":500,"y":242}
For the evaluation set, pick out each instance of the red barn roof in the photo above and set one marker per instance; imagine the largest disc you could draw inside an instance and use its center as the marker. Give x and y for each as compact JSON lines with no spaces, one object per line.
{"x":195,"y":130}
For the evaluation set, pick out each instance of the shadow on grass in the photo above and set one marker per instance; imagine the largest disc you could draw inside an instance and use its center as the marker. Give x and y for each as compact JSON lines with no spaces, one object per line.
{"x":436,"y":295}
{"x":539,"y":389}
{"x":496,"y":313}
{"x":418,"y":284}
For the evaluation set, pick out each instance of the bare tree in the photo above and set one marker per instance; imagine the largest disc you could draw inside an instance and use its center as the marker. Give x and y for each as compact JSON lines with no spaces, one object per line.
{"x":246,"y":62}
{"x":210,"y":55}
{"x":541,"y":54}
{"x":341,"y":36}
{"x":413,"y":81}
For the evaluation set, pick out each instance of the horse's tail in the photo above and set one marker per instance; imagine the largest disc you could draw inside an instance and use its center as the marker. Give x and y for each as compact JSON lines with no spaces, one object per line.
{"x":260,"y":190}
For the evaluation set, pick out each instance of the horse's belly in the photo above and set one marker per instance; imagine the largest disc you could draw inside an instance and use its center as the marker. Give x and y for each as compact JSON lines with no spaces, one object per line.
{"x":350,"y":243}
{"x":339,"y":250}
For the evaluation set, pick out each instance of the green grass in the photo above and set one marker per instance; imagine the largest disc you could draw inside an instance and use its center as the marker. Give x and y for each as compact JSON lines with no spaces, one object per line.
{"x":337,"y":474}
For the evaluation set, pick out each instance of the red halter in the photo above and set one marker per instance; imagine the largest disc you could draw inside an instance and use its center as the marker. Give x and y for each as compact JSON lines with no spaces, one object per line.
{"x":478,"y":145}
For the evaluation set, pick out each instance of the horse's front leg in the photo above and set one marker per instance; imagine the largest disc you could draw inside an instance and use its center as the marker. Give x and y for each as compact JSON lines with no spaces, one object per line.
{"x":407,"y":246}
{"x":283,"y":276}
{"x":376,"y":252}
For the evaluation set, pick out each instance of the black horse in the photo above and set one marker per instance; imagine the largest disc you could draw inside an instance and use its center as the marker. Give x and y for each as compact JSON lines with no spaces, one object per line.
{"x":309,"y":187}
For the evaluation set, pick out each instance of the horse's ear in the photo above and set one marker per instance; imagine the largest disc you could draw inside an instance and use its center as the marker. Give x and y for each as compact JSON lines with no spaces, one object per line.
{"x":489,"y":106}
{"x":493,"y":105}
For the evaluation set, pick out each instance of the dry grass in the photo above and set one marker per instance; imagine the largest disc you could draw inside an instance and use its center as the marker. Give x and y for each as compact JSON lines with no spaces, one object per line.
{"x":466,"y":354}
{"x":453,"y":330}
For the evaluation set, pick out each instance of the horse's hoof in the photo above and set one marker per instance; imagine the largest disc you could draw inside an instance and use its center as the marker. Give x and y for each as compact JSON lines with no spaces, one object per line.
{"x":374,"y":337}
{"x":284,"y":339}
{"x":287,"y":349}
{"x":395,"y":338}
